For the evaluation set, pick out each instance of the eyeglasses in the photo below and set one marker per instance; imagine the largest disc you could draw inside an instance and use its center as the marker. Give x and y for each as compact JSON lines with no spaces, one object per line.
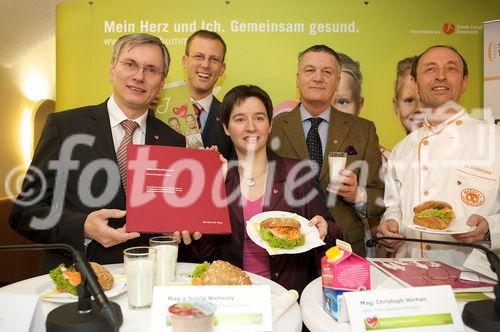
{"x":200,"y":57}
{"x":132,"y":67}
{"x":441,"y":276}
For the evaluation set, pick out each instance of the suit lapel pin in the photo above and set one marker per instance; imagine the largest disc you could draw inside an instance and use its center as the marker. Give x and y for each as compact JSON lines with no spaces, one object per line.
{"x":157,"y":137}
{"x":275,"y":191}
{"x":335,"y":141}
{"x":217,"y":119}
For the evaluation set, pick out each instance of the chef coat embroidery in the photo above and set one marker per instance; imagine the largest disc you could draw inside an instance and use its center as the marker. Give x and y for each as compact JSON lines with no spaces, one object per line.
{"x":472,"y":197}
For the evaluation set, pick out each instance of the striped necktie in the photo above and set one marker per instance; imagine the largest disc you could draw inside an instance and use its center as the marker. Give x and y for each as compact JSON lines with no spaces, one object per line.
{"x":121,"y":154}
{"x":197,"y":110}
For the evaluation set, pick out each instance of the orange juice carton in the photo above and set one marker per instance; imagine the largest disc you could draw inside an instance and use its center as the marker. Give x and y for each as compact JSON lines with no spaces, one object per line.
{"x":341,"y":269}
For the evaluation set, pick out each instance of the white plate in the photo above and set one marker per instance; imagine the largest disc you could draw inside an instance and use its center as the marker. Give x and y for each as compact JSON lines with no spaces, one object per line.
{"x":311,"y":232}
{"x":49,"y":293}
{"x":457,"y":226}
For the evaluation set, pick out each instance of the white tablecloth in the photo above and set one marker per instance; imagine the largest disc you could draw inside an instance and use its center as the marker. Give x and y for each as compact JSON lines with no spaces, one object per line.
{"x":317,"y":320}
{"x":138,"y":320}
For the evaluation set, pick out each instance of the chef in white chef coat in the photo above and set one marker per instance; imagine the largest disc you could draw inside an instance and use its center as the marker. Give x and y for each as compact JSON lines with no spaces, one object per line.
{"x":452,"y":158}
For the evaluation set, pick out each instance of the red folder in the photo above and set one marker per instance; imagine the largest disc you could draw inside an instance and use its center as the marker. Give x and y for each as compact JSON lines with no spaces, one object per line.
{"x":174,"y":189}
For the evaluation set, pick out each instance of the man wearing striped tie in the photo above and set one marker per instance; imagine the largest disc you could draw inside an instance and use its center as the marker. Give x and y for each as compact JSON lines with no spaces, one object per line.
{"x":75,"y":189}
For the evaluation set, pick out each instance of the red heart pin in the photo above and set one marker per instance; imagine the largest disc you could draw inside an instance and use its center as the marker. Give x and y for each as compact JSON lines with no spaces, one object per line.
{"x":372,"y":321}
{"x":180,"y":110}
{"x":275,"y":191}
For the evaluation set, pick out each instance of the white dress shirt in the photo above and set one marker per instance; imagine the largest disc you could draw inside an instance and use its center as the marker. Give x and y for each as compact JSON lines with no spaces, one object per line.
{"x":116,"y":116}
{"x":205,"y":104}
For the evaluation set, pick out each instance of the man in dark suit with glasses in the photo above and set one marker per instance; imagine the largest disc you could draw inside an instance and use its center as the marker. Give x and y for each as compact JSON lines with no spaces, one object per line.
{"x":74,"y":192}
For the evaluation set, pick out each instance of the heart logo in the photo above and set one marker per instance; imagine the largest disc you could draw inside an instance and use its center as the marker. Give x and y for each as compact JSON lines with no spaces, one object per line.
{"x":459,"y":183}
{"x":372,"y":321}
{"x":448,"y":28}
{"x":366,"y":2}
{"x":180,"y":110}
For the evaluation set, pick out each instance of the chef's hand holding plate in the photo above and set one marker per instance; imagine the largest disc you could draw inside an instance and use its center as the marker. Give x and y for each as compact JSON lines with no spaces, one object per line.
{"x":390,"y":228}
{"x":476,"y":235}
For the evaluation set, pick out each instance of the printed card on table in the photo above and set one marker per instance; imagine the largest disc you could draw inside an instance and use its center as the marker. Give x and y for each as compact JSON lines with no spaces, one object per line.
{"x":430,"y":309}
{"x":176,"y":110}
{"x":239,"y":308}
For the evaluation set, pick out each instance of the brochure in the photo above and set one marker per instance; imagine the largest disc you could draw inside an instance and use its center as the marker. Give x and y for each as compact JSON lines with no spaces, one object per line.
{"x":175,"y":109}
{"x":423,"y":272}
{"x":174,"y":189}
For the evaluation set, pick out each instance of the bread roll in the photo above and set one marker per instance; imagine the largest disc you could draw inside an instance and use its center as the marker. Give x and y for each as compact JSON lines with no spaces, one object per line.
{"x":223,"y":273}
{"x":431,"y":222}
{"x":431,"y":205}
{"x":280,"y":222}
{"x":104,"y":277}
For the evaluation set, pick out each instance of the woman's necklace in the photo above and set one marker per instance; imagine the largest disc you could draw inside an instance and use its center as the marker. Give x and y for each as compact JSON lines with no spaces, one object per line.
{"x":251,"y":180}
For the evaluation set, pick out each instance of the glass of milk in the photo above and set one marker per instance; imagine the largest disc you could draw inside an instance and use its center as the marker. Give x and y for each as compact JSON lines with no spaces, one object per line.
{"x":140,"y":267}
{"x":166,"y":258}
{"x":336,"y":163}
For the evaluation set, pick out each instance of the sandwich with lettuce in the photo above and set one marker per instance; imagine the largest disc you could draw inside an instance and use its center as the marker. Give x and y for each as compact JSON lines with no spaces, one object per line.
{"x":433,"y":214}
{"x":282,"y":233}
{"x":67,"y":279}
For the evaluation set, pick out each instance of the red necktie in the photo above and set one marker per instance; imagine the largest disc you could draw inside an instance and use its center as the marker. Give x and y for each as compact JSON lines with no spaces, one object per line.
{"x":197,"y":110}
{"x":121,"y":154}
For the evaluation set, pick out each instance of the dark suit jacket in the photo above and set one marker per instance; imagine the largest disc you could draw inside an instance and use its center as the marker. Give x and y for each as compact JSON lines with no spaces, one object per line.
{"x":213,"y":132}
{"x":93,"y":121}
{"x":291,"y":271}
{"x":345,"y":132}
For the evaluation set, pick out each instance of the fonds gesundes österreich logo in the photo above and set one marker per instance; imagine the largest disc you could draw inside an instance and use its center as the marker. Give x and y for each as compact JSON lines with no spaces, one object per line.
{"x":448,"y":28}
{"x":494,"y":51}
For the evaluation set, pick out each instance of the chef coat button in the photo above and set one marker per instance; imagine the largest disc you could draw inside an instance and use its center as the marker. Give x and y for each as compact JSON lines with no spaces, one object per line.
{"x":425,"y":142}
{"x":428,"y":247}
{"x":425,"y":168}
{"x":426,"y":193}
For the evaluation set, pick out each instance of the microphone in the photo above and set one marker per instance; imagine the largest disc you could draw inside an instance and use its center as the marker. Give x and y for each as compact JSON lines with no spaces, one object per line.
{"x":481,"y":315}
{"x":84,"y":315}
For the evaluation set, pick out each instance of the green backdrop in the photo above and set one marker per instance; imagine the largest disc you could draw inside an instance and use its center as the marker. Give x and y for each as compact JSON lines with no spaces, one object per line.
{"x":264,"y":38}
